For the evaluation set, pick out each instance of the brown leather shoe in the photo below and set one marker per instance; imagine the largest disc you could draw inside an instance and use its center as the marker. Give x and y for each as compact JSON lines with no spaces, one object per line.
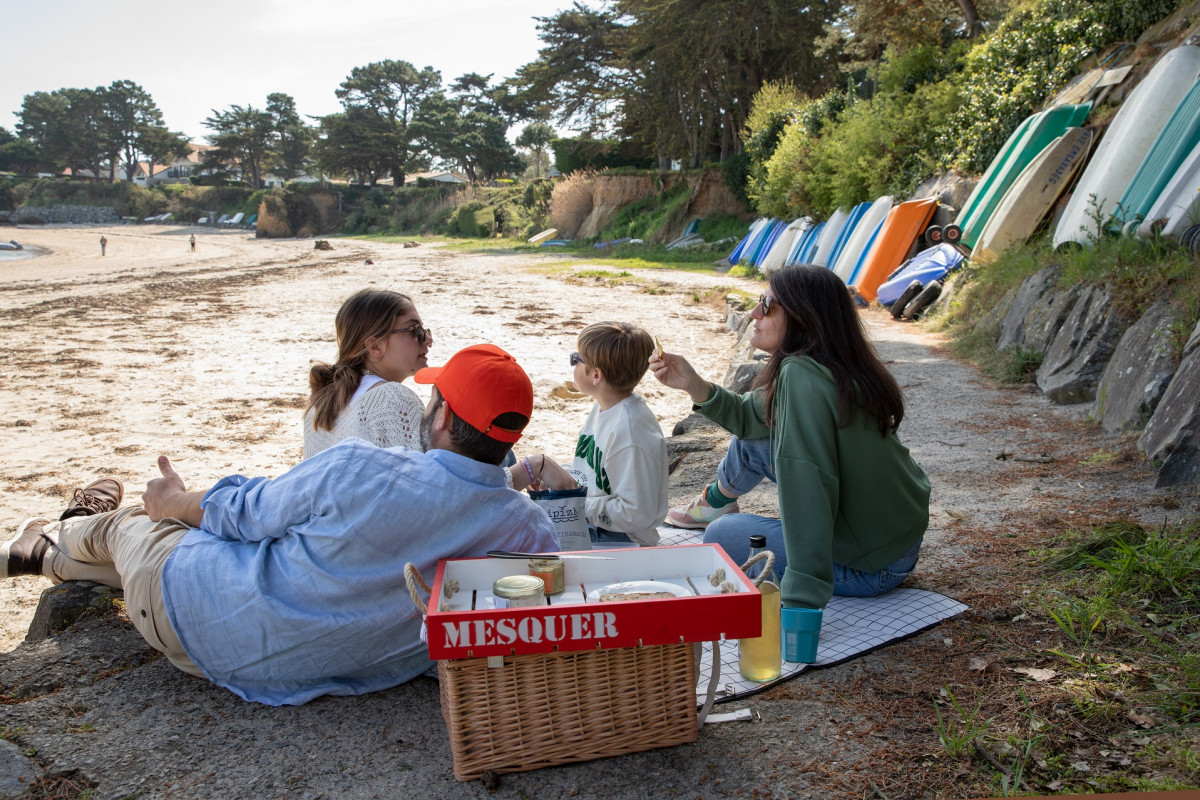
{"x":95,"y":498}
{"x":23,"y":554}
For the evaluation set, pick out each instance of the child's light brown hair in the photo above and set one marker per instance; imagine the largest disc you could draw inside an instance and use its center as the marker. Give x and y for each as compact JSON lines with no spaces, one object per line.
{"x":619,"y":350}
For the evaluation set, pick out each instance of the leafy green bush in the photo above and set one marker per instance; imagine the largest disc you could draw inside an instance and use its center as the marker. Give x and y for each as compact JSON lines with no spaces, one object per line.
{"x":431,"y":208}
{"x":576,"y":154}
{"x":836,"y":152}
{"x":8,"y":193}
{"x":475,"y":219}
{"x":1033,"y":52}
{"x":736,"y":172}
{"x":774,"y":109}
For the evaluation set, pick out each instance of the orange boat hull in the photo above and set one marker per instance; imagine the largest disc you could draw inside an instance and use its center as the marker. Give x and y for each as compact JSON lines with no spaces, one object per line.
{"x":903,"y":225}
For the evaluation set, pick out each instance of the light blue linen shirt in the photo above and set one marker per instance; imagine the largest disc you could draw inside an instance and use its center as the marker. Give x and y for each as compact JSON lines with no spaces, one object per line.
{"x":294,"y":588}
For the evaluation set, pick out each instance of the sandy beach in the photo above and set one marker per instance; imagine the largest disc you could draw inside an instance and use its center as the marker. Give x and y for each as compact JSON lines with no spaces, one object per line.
{"x":106,"y":362}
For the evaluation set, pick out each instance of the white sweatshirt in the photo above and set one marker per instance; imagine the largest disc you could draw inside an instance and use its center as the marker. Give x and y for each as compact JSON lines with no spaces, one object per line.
{"x":622,"y":457}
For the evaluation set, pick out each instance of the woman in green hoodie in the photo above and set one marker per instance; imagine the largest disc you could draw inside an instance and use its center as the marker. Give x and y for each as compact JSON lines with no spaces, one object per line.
{"x":821,"y":423}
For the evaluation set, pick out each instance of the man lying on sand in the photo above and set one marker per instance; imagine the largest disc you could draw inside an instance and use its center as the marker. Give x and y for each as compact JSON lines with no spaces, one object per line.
{"x":288,"y":589}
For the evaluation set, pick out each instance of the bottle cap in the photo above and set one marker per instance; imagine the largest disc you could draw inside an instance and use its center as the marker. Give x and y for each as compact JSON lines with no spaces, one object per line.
{"x":758,"y":540}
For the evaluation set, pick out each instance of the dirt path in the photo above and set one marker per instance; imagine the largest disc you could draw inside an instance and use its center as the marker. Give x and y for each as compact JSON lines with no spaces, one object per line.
{"x":107,"y":362}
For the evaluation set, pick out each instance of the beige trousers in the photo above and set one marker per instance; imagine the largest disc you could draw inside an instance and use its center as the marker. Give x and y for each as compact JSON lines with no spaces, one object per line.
{"x":126,"y":550}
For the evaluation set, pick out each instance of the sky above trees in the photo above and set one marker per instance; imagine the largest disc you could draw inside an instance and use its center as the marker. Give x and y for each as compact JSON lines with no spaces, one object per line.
{"x":196,"y":58}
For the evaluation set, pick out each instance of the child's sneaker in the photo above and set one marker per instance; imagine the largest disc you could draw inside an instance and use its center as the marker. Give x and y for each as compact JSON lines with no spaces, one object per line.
{"x":698,"y":513}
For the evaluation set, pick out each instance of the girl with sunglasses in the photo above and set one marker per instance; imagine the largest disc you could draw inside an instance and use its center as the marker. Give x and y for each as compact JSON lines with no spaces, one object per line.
{"x":381,"y":344}
{"x":821,"y":423}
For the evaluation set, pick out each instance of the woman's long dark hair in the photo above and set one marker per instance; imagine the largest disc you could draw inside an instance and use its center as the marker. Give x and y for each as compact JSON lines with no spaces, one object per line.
{"x":366,"y":315}
{"x":820,"y":322}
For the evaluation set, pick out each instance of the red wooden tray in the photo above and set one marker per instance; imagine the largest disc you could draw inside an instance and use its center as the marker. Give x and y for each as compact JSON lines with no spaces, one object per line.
{"x":464,"y":624}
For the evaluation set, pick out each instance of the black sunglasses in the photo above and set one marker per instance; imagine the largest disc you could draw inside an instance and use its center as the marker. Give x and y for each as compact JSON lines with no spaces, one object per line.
{"x":576,"y":359}
{"x":765,"y":301}
{"x":419,"y":332}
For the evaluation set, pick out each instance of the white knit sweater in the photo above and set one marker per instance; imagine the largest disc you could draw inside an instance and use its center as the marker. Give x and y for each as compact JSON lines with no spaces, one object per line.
{"x":386,"y":415}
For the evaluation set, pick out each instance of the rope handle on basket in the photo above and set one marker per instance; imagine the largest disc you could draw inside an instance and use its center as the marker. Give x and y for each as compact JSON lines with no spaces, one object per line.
{"x":764,"y":555}
{"x":414,"y":579}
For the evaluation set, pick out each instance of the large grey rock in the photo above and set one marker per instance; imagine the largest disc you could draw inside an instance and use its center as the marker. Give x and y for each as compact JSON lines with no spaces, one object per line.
{"x":1021,"y":305}
{"x":744,"y":375}
{"x":737,"y":321}
{"x":989,"y":324}
{"x":1079,"y":352}
{"x":63,"y":605}
{"x":743,"y":353}
{"x":694,"y":422}
{"x":1138,"y":373}
{"x":17,"y":771}
{"x":951,"y":189}
{"x":1172,"y":437}
{"x":1047,"y":317}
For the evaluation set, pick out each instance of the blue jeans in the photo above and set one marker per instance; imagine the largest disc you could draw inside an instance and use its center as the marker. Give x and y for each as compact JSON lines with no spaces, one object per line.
{"x":605,"y":535}
{"x":745,"y":466}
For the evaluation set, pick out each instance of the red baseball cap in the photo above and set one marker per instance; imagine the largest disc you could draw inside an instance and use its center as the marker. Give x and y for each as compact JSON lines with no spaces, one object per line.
{"x":480,"y":383}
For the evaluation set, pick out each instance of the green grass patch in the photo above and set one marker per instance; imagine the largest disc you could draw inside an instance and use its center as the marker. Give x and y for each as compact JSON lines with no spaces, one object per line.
{"x":602,"y":274}
{"x":723,"y":226}
{"x":645,"y":218}
{"x":1110,"y":697}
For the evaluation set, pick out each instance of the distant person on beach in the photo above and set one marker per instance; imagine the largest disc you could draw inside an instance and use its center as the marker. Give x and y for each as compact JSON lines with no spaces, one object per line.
{"x":192,"y":243}
{"x":288,"y":589}
{"x":103,"y":244}
{"x":821,"y":424}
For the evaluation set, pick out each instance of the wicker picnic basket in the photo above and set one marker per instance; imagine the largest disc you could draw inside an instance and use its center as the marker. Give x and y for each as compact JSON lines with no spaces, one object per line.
{"x":522,"y":712}
{"x":538,"y":710}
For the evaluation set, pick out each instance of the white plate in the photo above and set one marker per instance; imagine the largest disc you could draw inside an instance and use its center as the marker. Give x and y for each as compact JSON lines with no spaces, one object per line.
{"x":626,"y":587}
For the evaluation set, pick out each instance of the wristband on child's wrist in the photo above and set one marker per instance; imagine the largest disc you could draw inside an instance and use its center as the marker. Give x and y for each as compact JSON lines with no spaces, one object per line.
{"x":528,"y":471}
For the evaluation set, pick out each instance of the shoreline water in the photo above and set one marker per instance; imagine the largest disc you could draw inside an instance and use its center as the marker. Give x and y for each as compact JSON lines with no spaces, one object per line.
{"x":26,"y":252}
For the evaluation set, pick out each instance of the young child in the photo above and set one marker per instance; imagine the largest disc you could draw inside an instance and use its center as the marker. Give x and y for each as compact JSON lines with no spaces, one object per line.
{"x":621,"y":455}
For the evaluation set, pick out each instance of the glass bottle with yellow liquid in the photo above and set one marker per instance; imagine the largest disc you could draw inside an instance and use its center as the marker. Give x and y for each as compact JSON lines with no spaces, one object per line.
{"x":760,"y":659}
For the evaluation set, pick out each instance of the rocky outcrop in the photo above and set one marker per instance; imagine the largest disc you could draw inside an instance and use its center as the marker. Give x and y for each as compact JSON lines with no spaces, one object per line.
{"x":1020,"y":308}
{"x":582,"y":208}
{"x":63,"y":215}
{"x":1138,"y":373}
{"x":746,"y":361}
{"x":1090,"y":354}
{"x":1081,"y":348}
{"x":63,"y":605}
{"x":287,"y":213}
{"x":951,"y":190}
{"x":1047,"y":317}
{"x":1172,"y":437}
{"x":17,"y":771}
